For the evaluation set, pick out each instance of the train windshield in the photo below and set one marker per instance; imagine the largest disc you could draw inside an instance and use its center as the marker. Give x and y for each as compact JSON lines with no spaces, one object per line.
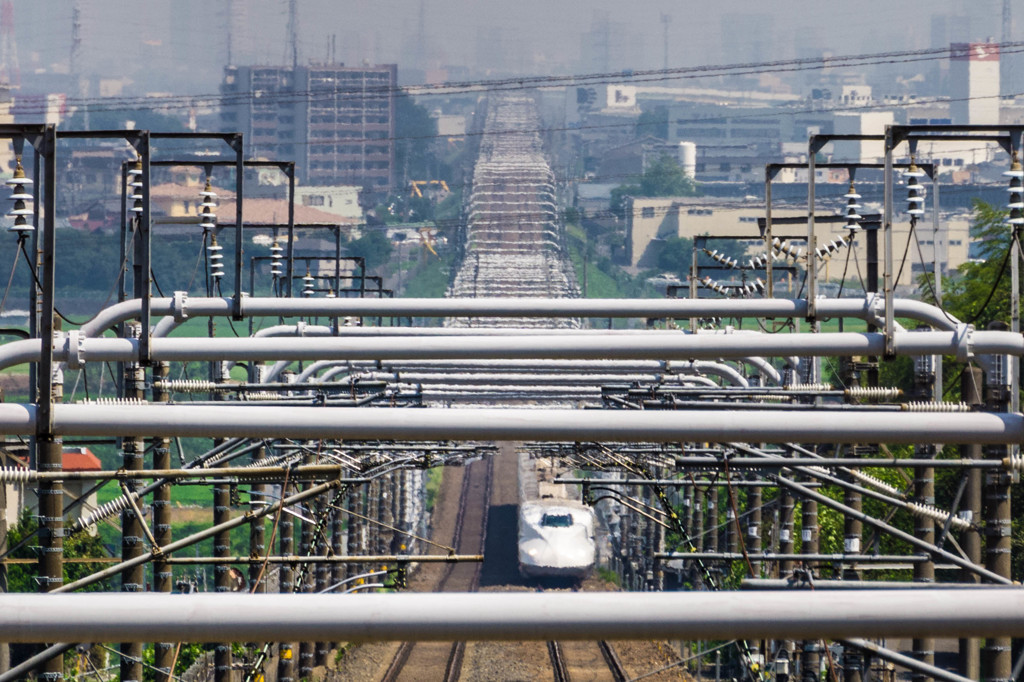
{"x":556,"y":520}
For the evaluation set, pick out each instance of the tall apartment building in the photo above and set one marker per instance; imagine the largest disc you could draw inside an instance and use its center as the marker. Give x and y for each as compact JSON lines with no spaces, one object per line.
{"x":336,"y":122}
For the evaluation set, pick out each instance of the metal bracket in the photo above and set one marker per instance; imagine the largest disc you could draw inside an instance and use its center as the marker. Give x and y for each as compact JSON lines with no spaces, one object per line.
{"x":74,"y":349}
{"x":179,"y":306}
{"x":964,"y":342}
{"x":874,"y":309}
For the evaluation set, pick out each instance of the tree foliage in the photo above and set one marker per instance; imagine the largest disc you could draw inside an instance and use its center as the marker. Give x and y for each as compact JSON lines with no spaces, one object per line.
{"x":979,"y":290}
{"x":415,"y":130}
{"x":374,"y":246}
{"x":662,"y":178}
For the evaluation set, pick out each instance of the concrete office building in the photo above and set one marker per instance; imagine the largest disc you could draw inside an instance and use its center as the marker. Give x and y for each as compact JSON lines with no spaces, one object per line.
{"x":336,"y":122}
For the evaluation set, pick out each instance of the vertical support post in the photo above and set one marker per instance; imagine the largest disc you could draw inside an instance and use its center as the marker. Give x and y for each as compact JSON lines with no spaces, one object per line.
{"x":754,"y":517}
{"x":937,"y":269}
{"x":698,"y":519}
{"x":306,"y":575}
{"x":290,"y":265}
{"x":887,"y":212}
{"x":787,"y":505}
{"x":49,"y":450}
{"x":810,"y":656}
{"x":222,"y":657}
{"x":924,"y":493}
{"x":996,"y":659}
{"x":693,"y":284}
{"x":132,"y":580}
{"x":163,"y":577}
{"x":237,"y":146}
{"x":812,"y":242}
{"x":770,"y":284}
{"x":970,"y":539}
{"x":711,"y":519}
{"x":286,"y":579}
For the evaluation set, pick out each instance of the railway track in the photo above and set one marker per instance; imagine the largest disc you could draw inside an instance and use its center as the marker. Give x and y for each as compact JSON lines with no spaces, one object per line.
{"x":581,"y":661}
{"x":443,"y":660}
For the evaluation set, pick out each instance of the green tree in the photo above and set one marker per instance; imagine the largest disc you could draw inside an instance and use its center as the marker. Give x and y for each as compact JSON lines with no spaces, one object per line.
{"x":676,"y":255}
{"x":374,"y":246}
{"x":979,"y":290}
{"x":666,"y":178}
{"x":416,"y":132}
{"x":653,"y":122}
{"x":662,"y":178}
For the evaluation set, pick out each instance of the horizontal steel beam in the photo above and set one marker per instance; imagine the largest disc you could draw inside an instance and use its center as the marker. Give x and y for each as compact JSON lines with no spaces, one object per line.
{"x":150,"y":617}
{"x":359,"y":423}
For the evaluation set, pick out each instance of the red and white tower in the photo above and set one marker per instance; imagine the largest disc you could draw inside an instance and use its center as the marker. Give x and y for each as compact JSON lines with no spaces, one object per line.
{"x":974,"y":83}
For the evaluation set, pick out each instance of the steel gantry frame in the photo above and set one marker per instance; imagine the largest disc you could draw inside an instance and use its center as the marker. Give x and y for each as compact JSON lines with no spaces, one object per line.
{"x":289,"y":444}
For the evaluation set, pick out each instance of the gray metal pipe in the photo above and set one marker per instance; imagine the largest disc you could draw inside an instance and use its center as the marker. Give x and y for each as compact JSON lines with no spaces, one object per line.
{"x":566,"y":346}
{"x":530,"y":425}
{"x":209,"y":617}
{"x":868,"y":308}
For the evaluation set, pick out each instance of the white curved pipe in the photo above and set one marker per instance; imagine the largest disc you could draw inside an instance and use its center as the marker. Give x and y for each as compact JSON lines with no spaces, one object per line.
{"x":867,"y":308}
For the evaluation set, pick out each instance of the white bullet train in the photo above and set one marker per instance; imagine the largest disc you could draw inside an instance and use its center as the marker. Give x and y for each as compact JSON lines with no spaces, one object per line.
{"x":556,"y":532}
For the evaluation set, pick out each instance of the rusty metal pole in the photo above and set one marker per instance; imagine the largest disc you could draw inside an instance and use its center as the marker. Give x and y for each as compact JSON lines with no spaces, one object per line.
{"x":163,"y":577}
{"x":286,"y":580}
{"x":810,"y":656}
{"x":49,"y":450}
{"x":996,"y":658}
{"x":132,"y":545}
{"x":306,"y":576}
{"x":924,"y":493}
{"x":970,"y":540}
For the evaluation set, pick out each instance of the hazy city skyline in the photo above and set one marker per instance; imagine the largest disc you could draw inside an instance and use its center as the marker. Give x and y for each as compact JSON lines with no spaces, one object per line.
{"x":183,"y":46}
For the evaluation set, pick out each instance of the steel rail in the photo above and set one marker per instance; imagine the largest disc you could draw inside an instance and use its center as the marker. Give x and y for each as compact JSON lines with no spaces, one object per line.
{"x":206,"y":617}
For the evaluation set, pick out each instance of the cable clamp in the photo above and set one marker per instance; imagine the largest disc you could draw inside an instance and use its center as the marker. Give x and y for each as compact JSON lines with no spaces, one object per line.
{"x":179,"y":306}
{"x":74,"y":349}
{"x":964,"y":336}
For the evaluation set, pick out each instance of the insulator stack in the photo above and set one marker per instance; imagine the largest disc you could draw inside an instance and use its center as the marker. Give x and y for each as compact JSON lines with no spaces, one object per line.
{"x":117,"y":402}
{"x":723,"y":259}
{"x":1014,"y":463}
{"x":787,"y":250}
{"x":935,"y":407}
{"x":15,"y":475}
{"x":276,"y":260}
{"x":187,"y":386}
{"x":1016,"y":190}
{"x":807,"y":388}
{"x":927,"y":511}
{"x":748,"y":289}
{"x":876,"y":483}
{"x":915,"y":192}
{"x":19,"y":195}
{"x":871,"y":393}
{"x":832,"y":248}
{"x":853,"y":218}
{"x":308,"y":284}
{"x":761,"y":262}
{"x":135,"y":187}
{"x":260,"y":395}
{"x":104,"y":511}
{"x":207,"y":218}
{"x":215,"y":255}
